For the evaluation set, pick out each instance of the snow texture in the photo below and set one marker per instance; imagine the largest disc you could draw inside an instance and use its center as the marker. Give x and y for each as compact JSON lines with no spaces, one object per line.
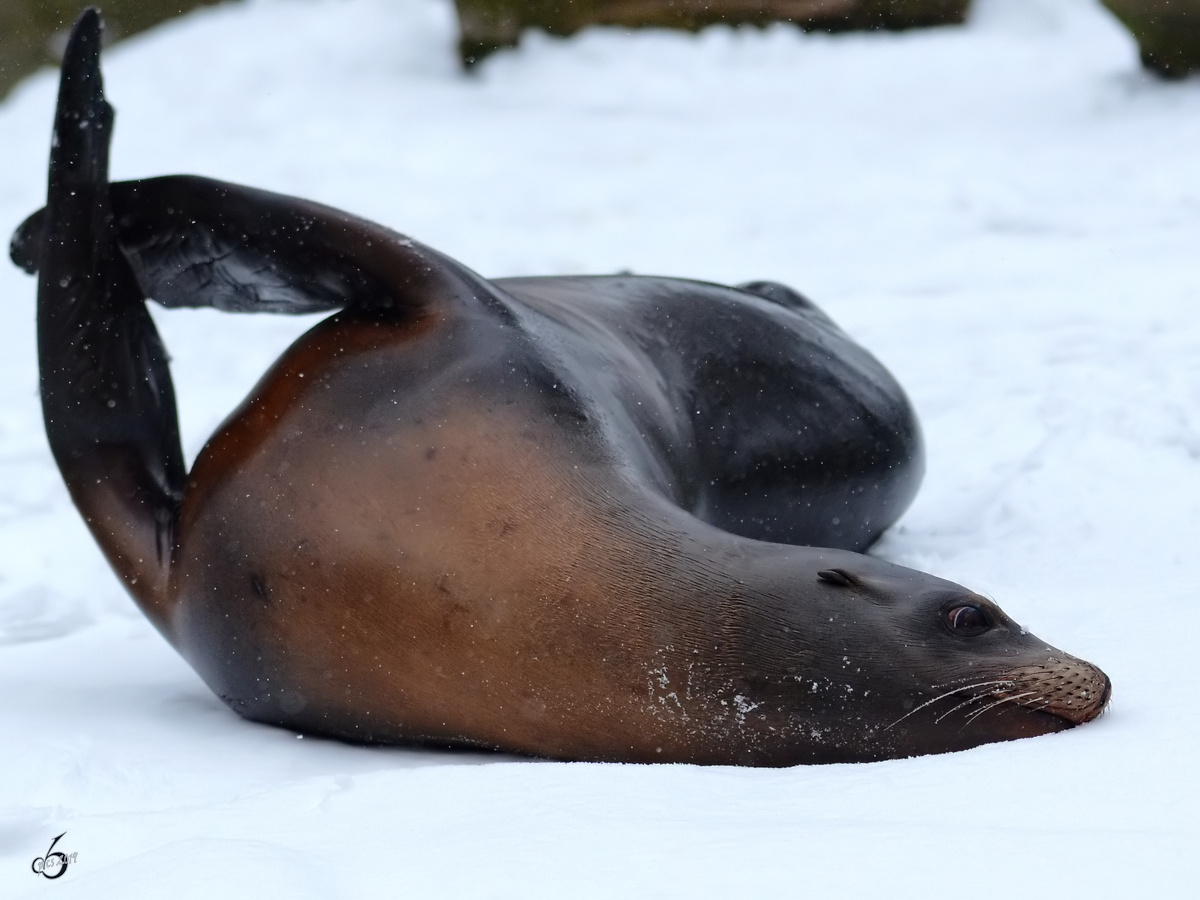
{"x":1007,"y":214}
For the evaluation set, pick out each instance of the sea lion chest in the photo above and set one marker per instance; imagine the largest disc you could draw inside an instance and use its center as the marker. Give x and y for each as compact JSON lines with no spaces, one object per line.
{"x":396,"y":515}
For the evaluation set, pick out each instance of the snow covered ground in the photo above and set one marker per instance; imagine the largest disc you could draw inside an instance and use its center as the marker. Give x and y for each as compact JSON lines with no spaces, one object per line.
{"x":1007,"y":214}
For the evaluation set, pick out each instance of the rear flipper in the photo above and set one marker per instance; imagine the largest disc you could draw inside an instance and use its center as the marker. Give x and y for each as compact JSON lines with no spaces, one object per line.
{"x":195,"y":242}
{"x":106,"y":391}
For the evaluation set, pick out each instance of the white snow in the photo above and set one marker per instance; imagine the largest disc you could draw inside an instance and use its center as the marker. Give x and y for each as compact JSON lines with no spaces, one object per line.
{"x":1007,"y":214}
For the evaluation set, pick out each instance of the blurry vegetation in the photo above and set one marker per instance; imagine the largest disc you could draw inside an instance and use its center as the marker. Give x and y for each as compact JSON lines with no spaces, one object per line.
{"x":34,"y":32}
{"x":487,"y":25}
{"x":1167,"y":32}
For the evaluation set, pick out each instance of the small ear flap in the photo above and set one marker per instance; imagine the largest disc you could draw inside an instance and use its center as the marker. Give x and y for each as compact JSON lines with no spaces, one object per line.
{"x":840,"y":577}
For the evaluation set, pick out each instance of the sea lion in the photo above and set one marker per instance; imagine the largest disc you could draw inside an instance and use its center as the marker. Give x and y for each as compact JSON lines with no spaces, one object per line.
{"x":606,"y":518}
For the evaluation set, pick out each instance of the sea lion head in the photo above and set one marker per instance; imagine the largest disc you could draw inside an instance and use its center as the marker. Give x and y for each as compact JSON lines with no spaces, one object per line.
{"x":925,"y":665}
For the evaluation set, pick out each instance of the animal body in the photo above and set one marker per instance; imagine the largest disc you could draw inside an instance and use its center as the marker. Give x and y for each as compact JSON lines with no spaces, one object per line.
{"x":611,"y":518}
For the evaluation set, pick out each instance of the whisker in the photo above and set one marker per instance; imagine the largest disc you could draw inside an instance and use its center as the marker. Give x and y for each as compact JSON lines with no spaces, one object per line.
{"x":951,"y":693}
{"x":955,"y":709}
{"x":1013,"y":698}
{"x":936,"y":687}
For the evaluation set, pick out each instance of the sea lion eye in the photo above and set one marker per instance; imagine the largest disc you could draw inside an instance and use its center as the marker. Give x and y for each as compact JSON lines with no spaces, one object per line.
{"x":967,"y":620}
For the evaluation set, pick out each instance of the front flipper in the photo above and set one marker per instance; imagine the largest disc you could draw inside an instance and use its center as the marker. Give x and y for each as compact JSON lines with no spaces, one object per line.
{"x":195,"y":242}
{"x":106,"y":392}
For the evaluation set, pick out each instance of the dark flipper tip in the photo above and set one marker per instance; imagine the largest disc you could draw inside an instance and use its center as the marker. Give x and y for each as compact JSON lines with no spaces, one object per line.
{"x":83,"y":119}
{"x":81,"y":84}
{"x":85,"y":37}
{"x":79,"y":150}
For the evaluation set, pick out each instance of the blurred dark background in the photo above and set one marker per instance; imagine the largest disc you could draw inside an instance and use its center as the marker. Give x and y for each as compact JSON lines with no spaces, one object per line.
{"x":33,"y":32}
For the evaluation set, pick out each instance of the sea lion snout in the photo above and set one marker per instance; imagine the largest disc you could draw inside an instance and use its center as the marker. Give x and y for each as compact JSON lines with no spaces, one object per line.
{"x":984,"y":677}
{"x":1064,"y":686}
